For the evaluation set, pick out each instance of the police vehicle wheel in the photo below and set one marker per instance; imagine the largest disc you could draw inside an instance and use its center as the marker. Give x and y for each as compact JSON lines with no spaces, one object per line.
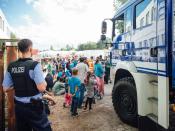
{"x":124,"y":97}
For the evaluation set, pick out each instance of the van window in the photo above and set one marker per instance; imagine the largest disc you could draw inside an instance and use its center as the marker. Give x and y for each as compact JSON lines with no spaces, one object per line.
{"x":142,"y":15}
{"x":147,"y":18}
{"x":119,"y":24}
{"x":153,"y":14}
{"x":1,"y":23}
{"x":128,"y":20}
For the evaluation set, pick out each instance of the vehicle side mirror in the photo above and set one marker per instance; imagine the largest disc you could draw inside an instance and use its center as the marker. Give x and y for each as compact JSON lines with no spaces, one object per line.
{"x":103,"y":37}
{"x":119,"y":38}
{"x":104,"y":27}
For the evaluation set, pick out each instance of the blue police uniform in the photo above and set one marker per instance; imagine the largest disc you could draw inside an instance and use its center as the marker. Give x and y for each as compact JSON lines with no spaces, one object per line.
{"x":24,"y":78}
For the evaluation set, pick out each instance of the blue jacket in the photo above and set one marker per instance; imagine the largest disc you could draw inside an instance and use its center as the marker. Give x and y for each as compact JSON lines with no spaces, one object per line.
{"x":74,"y":83}
{"x":98,"y":70}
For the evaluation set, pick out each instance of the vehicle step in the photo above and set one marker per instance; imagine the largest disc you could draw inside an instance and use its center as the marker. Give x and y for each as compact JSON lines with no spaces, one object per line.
{"x":153,"y":99}
{"x":154,"y":83}
{"x":153,"y":117}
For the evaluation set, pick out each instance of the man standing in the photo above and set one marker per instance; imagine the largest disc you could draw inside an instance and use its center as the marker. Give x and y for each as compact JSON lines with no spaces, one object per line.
{"x":82,"y":70}
{"x":107,"y":70}
{"x":25,"y":76}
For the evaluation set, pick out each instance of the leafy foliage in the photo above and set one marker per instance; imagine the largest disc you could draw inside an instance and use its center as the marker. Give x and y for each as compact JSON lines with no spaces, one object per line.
{"x":117,"y":4}
{"x":120,"y":26}
{"x":51,"y":47}
{"x":91,"y":46}
{"x":67,"y":48}
{"x":87,"y":46}
{"x":13,"y":36}
{"x":122,"y":1}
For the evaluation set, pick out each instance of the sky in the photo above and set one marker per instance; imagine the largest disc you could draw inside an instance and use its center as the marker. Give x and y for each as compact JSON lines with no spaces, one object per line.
{"x":142,"y":6}
{"x":57,"y":22}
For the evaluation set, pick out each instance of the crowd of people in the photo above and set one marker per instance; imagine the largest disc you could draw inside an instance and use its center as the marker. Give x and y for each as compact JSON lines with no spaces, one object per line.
{"x":81,"y":80}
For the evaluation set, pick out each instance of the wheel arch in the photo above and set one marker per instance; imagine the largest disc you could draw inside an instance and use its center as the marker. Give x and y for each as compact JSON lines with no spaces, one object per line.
{"x":122,"y":73}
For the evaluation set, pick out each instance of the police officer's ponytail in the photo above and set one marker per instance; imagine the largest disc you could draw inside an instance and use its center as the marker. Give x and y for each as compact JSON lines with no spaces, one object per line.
{"x":24,"y":44}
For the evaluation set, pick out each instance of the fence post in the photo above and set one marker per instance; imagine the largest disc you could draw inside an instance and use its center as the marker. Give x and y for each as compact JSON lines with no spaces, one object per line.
{"x":11,"y":56}
{"x":2,"y":101}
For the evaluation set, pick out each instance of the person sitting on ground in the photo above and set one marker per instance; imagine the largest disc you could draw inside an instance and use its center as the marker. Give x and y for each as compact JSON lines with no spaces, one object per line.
{"x":89,"y":83}
{"x":58,"y":88}
{"x":74,"y":85}
{"x":49,"y":81}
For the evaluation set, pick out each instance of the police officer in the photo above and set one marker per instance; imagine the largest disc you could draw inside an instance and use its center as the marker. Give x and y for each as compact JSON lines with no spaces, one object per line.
{"x":25,"y":76}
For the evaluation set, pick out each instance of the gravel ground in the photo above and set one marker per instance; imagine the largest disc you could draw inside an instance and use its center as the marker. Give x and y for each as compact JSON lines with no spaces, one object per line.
{"x":101,"y":118}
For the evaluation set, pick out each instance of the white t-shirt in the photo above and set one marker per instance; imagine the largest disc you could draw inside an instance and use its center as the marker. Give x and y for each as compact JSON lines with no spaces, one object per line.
{"x":82,"y":70}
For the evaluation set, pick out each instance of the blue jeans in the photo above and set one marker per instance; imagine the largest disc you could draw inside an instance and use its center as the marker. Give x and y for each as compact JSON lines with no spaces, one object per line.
{"x":74,"y":105}
{"x":82,"y":90}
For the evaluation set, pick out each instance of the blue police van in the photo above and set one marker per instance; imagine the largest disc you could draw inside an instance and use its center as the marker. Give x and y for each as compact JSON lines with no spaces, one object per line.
{"x":144,"y":57}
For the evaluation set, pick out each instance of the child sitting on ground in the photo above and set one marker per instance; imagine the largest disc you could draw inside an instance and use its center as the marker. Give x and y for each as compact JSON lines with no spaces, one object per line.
{"x":67,"y":97}
{"x":58,"y":87}
{"x":74,"y":85}
{"x":89,"y":83}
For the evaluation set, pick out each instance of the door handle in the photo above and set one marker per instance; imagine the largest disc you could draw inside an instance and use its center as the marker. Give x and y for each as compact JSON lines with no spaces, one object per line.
{"x":154,"y":52}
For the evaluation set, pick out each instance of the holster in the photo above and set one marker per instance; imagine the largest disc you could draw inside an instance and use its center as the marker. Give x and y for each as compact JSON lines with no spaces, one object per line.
{"x":37,"y":104}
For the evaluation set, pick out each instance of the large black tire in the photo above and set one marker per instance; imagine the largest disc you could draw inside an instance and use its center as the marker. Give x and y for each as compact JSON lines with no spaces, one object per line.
{"x":124,"y":98}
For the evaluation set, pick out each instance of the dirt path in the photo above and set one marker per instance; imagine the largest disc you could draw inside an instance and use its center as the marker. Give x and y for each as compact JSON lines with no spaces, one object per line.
{"x":101,"y":118}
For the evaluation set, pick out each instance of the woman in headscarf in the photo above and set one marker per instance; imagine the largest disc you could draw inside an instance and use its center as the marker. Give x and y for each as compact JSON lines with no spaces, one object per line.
{"x":99,"y":73}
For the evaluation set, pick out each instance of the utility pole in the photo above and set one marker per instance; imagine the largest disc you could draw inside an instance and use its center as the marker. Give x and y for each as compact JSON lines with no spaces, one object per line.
{"x":2,"y":100}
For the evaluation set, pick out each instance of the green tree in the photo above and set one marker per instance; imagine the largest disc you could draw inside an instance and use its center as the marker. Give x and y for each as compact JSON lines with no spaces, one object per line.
{"x":122,"y":1}
{"x":68,"y":47}
{"x":120,"y":24}
{"x":87,"y":46}
{"x":104,"y":44}
{"x":12,"y":36}
{"x":118,"y":3}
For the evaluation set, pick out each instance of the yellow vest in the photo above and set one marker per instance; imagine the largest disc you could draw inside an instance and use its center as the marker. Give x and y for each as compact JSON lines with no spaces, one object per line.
{"x":91,"y":65}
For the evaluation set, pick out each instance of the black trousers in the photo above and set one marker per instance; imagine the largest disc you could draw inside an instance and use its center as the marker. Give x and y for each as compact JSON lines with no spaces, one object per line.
{"x":74,"y":105}
{"x":31,"y":118}
{"x":89,"y":101}
{"x":106,"y":78}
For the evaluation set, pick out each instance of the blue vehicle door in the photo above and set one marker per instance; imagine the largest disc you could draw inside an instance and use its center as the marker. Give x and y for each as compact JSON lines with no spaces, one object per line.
{"x":145,"y":37}
{"x":173,"y":48}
